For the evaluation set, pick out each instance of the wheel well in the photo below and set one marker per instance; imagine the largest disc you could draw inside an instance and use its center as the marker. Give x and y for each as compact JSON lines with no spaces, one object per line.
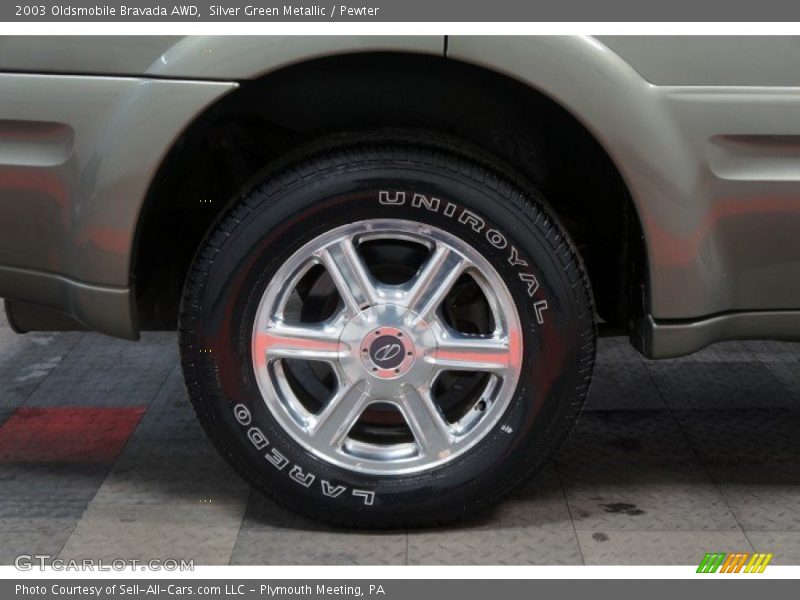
{"x":269,"y":119}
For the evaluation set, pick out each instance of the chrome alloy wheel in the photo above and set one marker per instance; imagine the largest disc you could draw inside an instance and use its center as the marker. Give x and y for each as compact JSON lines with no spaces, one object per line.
{"x":380,"y":377}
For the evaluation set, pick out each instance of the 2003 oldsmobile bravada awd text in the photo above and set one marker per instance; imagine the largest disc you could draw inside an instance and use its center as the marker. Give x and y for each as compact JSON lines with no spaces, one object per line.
{"x":388,"y":257}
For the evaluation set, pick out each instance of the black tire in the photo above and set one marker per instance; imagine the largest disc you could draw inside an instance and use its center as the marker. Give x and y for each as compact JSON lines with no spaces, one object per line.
{"x":288,"y":207}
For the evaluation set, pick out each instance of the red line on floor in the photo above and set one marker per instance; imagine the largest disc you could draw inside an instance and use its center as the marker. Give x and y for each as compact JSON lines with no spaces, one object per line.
{"x":70,"y":435}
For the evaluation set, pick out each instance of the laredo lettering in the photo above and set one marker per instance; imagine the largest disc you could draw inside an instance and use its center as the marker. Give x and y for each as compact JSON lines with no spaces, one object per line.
{"x":305,"y":478}
{"x":257,"y":438}
{"x":331,"y":490}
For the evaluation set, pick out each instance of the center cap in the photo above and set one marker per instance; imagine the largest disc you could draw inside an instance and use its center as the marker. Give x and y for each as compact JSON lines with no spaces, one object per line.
{"x":383,"y":351}
{"x":387,"y":352}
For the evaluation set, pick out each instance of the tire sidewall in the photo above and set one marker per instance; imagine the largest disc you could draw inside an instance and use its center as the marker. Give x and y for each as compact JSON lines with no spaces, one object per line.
{"x":488,"y":216}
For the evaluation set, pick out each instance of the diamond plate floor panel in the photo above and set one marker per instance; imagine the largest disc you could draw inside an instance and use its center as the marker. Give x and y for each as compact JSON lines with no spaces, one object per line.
{"x":42,"y":536}
{"x":505,"y":547}
{"x":27,"y":360}
{"x":754,"y":458}
{"x":785,"y":545}
{"x":670,"y":459}
{"x":657,"y":547}
{"x":782,"y":360}
{"x":531,"y":527}
{"x":621,"y":380}
{"x":724,"y":377}
{"x":169,"y":495}
{"x":271,"y":535}
{"x":635,"y":470}
{"x":103,"y":371}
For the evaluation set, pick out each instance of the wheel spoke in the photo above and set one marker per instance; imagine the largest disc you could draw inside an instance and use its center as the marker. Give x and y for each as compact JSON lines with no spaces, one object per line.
{"x":434,"y":281}
{"x":305,"y":342}
{"x":385,"y":341}
{"x":331,"y":425}
{"x":431,"y":431}
{"x":469,"y":353}
{"x":350,"y":275}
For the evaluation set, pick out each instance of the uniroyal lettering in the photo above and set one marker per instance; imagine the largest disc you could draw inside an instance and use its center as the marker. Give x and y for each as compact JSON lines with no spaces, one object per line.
{"x":475,"y":222}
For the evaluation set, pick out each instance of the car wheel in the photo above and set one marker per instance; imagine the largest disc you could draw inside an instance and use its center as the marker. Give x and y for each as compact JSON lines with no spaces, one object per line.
{"x":387,"y":334}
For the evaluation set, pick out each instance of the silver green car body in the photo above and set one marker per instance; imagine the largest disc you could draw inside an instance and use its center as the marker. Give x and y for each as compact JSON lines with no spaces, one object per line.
{"x":704,"y":131}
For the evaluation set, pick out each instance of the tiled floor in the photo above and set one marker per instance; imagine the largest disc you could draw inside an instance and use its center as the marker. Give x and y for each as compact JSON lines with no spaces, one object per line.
{"x":100,"y":456}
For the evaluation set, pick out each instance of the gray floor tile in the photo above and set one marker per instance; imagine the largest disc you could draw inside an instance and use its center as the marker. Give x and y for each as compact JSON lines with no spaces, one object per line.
{"x":531,"y":527}
{"x":271,"y":534}
{"x":782,"y":359}
{"x":769,"y":353}
{"x":723,"y":376}
{"x":156,"y":472}
{"x":650,"y":505}
{"x":33,"y":536}
{"x":620,"y":380}
{"x":657,"y":547}
{"x":635,"y":470}
{"x":293,"y":547}
{"x":754,"y":457}
{"x":540,"y":504}
{"x":523,"y":546}
{"x":171,"y":416}
{"x":203,"y":532}
{"x":5,"y":413}
{"x":166,"y":496}
{"x":764,"y":506}
{"x":26,"y":360}
{"x":623,"y":387}
{"x":41,"y":525}
{"x":617,"y":350}
{"x":104,"y":371}
{"x":723,"y":353}
{"x":784,"y":545}
{"x":169,"y":460}
{"x":42,"y":490}
{"x":755,"y":441}
{"x":67,"y":435}
{"x":641,"y":488}
{"x":165,"y":475}
{"x":263,"y":514}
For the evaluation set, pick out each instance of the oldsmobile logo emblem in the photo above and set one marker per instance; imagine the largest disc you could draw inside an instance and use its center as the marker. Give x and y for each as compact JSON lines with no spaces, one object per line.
{"x":387,"y":352}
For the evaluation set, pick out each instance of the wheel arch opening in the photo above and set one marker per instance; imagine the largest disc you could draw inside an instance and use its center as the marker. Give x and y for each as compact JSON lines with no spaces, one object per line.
{"x":273,"y":118}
